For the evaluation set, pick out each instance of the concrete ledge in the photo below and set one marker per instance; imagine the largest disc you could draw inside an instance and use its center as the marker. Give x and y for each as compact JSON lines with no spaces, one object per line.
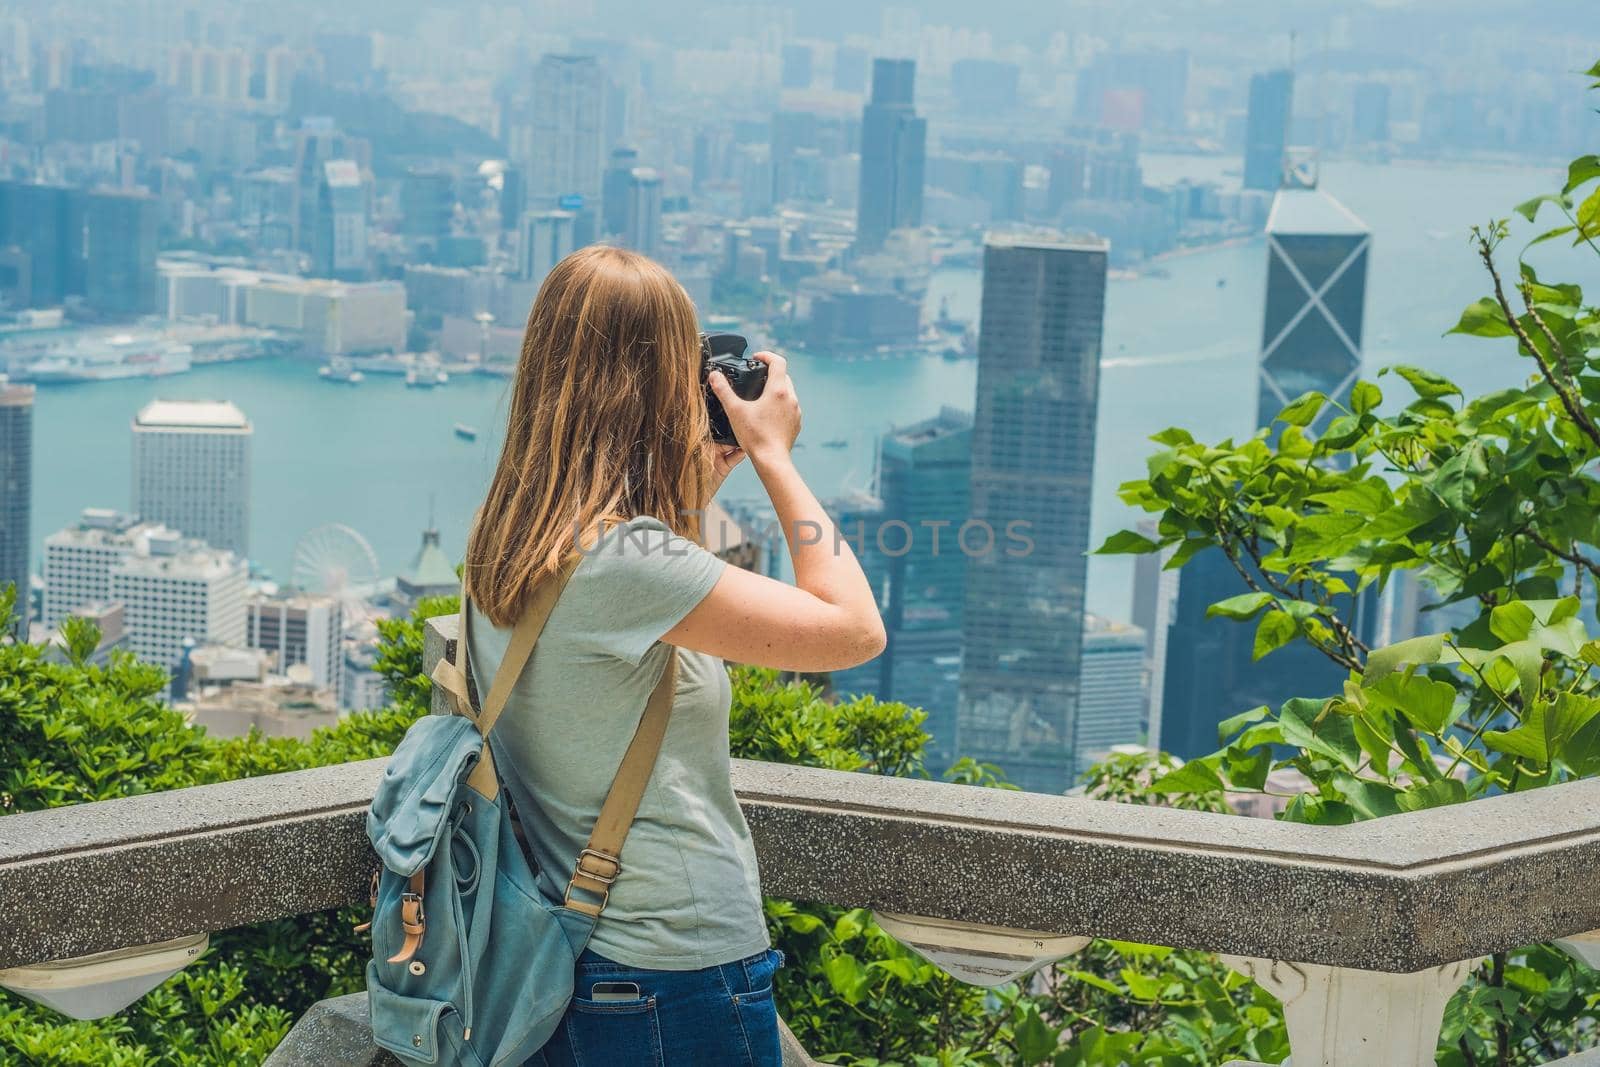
{"x":1384,"y":896}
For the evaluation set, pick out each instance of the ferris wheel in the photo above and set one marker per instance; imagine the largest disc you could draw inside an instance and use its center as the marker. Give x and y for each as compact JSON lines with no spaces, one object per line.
{"x":337,"y":561}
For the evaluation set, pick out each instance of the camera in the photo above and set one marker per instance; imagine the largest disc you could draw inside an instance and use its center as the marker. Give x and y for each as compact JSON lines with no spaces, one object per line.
{"x":725,"y":353}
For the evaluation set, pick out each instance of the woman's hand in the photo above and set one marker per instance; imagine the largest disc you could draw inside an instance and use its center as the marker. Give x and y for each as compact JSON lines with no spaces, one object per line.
{"x":767,"y":426}
{"x":723,"y":459}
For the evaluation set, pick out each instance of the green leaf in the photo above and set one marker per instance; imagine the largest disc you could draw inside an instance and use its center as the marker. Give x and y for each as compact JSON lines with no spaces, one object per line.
{"x":1434,"y":794}
{"x":1140,"y":985}
{"x":1425,"y":383}
{"x":1483,"y":318}
{"x":1529,"y":209}
{"x":1305,"y":726}
{"x":1036,"y":1039}
{"x":1456,"y":481}
{"x":1230,"y":726}
{"x":1427,"y":704}
{"x":1196,"y":776}
{"x":1276,"y":629}
{"x":1383,"y":662}
{"x":1589,"y":214}
{"x":1511,"y":622}
{"x":1364,"y":397}
{"x":1127,"y":542}
{"x":847,"y":977}
{"x":1244,"y":606}
{"x":1580,"y":170}
{"x":1303,"y":410}
{"x":1550,"y":235}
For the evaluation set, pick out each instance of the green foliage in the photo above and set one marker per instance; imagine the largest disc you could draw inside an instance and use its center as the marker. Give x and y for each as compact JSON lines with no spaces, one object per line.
{"x":1491,"y":504}
{"x":400,"y":653}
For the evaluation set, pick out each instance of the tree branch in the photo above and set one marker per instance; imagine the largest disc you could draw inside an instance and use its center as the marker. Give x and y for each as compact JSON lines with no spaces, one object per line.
{"x":1574,"y":411}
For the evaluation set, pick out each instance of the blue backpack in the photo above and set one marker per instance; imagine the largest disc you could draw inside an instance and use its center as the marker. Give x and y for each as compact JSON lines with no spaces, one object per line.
{"x":472,"y":966}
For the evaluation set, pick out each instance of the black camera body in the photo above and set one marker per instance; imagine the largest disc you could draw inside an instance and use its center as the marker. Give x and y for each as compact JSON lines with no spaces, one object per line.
{"x":725,"y":353}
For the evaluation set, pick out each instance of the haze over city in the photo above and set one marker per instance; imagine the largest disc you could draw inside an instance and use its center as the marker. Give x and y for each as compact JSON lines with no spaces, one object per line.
{"x":326,"y":226}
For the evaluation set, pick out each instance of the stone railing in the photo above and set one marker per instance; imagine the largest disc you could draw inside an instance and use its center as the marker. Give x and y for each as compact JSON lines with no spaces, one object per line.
{"x":1363,"y":931}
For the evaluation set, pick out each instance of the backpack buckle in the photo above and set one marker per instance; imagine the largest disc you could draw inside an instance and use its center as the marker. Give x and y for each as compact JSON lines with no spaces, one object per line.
{"x":596,"y":867}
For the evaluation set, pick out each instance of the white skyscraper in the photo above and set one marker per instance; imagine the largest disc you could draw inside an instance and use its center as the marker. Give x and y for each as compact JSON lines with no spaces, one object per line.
{"x":176,"y":590}
{"x":567,"y":128}
{"x":300,"y":629}
{"x":1111,"y":692}
{"x":546,"y":241}
{"x":191,"y":470}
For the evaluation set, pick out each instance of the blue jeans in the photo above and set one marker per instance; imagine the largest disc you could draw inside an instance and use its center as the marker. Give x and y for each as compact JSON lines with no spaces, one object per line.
{"x":717,"y":1017}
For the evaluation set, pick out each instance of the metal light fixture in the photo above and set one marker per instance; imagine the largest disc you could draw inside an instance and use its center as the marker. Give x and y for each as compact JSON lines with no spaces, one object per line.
{"x":92,"y":987}
{"x":975,"y":953}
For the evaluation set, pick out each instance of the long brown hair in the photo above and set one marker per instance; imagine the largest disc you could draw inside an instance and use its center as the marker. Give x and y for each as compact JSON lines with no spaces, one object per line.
{"x":606,"y":423}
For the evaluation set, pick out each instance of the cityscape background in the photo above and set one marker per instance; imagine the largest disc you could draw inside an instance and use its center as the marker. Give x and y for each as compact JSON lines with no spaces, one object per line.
{"x":263,"y":273}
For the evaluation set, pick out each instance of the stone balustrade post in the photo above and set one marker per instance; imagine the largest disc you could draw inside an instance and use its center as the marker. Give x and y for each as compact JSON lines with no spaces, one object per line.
{"x":1343,"y":1017}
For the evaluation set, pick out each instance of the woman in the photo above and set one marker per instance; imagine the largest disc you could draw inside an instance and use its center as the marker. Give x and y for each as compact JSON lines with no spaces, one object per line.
{"x":608,"y":432}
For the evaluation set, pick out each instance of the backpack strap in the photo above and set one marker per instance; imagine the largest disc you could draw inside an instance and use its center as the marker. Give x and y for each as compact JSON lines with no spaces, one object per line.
{"x":600,"y":862}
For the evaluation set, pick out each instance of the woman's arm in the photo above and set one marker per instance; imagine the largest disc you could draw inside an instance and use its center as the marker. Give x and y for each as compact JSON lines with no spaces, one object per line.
{"x":828,"y":619}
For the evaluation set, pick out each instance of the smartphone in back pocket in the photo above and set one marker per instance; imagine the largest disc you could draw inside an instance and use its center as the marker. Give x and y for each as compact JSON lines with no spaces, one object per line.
{"x":614,"y":992}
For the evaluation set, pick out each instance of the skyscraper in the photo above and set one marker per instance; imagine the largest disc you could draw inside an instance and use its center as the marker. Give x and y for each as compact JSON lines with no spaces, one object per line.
{"x":121,"y":241}
{"x":893,"y":147}
{"x":191,"y":470}
{"x":796,"y":72}
{"x":46,"y":223}
{"x":427,"y":203}
{"x":643,"y":230}
{"x":16,"y":492}
{"x":1111,"y":695}
{"x":1316,"y":299}
{"x":339,"y":246}
{"x":1310,"y":340}
{"x":909,"y":536}
{"x":546,"y":241}
{"x":614,"y":195}
{"x":1155,"y":605}
{"x":1032,"y":472}
{"x":567,"y":123}
{"x":1267,"y":128}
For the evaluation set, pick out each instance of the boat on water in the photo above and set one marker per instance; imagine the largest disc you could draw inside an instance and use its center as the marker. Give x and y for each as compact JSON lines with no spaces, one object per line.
{"x":426,"y":376}
{"x":108,"y":359}
{"x":837,"y":442}
{"x":465,"y":432}
{"x":341,"y":372}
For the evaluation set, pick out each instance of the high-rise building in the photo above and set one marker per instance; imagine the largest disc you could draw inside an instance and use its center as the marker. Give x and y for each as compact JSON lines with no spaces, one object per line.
{"x":1111,"y":693}
{"x":316,"y":143}
{"x":1316,"y":299}
{"x":191,"y":470}
{"x":893,"y":148}
{"x":299,"y":628}
{"x":1155,"y":606}
{"x":1310,"y":340}
{"x":643,"y":230}
{"x":1267,"y":128}
{"x":16,"y":493}
{"x":178,"y":592}
{"x":617,"y":185}
{"x":339,"y":246}
{"x":427,"y":203}
{"x":567,"y":129}
{"x":547,"y":239}
{"x":1033,"y":441}
{"x":912,"y":548}
{"x":46,"y":224}
{"x":121,"y":241}
{"x":78,"y":559}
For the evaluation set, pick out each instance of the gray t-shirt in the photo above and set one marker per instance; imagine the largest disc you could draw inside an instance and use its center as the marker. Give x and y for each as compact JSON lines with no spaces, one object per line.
{"x":689,"y":894}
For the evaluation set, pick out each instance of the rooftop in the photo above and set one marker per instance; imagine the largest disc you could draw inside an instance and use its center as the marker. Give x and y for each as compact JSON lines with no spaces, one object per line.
{"x":1046,"y":240}
{"x":1312,"y":213}
{"x":191,"y":414}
